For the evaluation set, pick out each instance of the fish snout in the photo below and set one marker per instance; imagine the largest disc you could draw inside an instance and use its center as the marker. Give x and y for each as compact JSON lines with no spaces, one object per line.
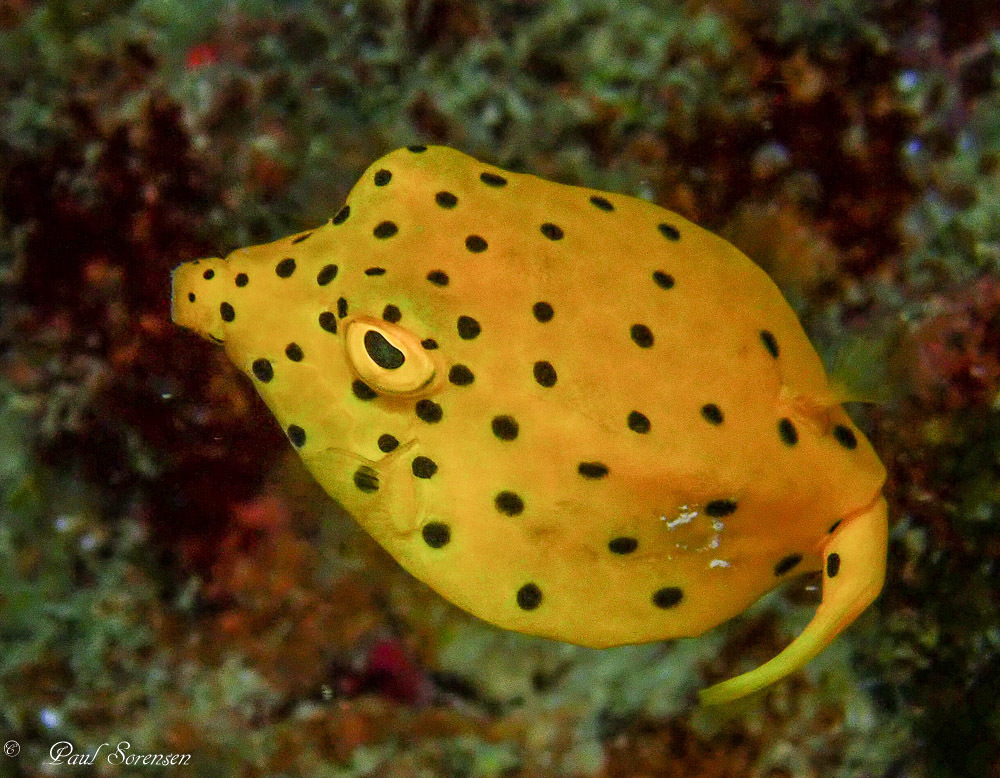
{"x":197,"y":299}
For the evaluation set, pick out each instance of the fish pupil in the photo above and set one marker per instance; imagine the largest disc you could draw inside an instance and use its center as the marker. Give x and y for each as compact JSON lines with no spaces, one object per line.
{"x":382,"y":352}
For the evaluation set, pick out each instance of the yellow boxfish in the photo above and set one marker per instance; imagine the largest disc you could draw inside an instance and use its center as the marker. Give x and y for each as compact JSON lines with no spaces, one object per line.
{"x":572,"y":413}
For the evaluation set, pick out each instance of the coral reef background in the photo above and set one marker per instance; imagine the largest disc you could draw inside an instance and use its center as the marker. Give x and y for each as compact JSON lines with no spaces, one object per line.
{"x":171,"y":577}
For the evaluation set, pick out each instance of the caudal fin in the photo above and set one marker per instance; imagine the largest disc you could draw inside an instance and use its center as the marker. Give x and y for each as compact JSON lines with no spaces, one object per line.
{"x":853,"y":573}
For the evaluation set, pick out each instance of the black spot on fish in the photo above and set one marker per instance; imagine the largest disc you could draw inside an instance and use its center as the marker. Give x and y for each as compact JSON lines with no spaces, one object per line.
{"x":787,"y":564}
{"x":667,"y":597}
{"x":545,"y":374}
{"x":845,"y":436}
{"x":297,"y":435}
{"x":509,"y":503}
{"x":669,"y":231}
{"x":436,"y":534}
{"x":505,"y":427}
{"x":227,"y":312}
{"x":592,"y":469}
{"x":326,"y":275}
{"x":363,"y":391}
{"x":492,"y":179}
{"x":476,"y":244}
{"x":366,"y":479}
{"x":445,"y":199}
{"x":542,"y":311}
{"x":385,"y":230}
{"x":719,"y":508}
{"x":328,"y":321}
{"x":429,"y":411}
{"x":262,"y":370}
{"x":638,"y":422}
{"x":529,"y":597}
{"x":423,"y":467}
{"x":285,"y":268}
{"x":641,"y":335}
{"x":663,"y":280}
{"x":770,"y":343}
{"x":460,"y":375}
{"x":552,"y":231}
{"x":468,"y":328}
{"x":623,"y":545}
{"x":712,"y":413}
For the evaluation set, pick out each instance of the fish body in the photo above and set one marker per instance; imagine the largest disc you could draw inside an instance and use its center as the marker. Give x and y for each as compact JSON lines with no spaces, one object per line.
{"x":572,"y":413}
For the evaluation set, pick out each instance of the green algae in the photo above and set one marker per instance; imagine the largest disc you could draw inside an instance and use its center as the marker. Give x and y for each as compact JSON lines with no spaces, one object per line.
{"x":954,"y":228}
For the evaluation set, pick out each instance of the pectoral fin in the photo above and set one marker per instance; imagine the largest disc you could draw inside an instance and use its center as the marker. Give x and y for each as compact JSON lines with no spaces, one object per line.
{"x":379,"y":493}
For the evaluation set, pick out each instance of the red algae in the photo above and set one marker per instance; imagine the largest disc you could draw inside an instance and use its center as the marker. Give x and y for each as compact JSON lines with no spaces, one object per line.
{"x":955,"y":361}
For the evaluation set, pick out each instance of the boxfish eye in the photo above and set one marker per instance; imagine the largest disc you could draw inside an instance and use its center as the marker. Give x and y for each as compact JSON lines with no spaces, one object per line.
{"x":387,"y":357}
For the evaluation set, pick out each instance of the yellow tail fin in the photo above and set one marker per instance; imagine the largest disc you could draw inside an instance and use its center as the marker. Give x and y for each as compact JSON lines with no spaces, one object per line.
{"x":853,"y":573}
